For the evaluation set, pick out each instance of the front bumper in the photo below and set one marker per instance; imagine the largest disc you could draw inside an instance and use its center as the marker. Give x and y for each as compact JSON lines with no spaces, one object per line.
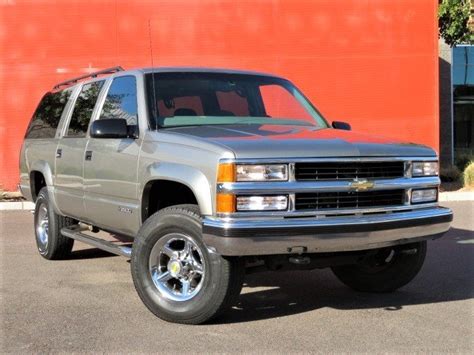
{"x":269,"y":236}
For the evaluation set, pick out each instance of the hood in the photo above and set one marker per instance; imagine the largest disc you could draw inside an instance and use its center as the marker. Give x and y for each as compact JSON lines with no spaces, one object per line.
{"x":275,"y":141}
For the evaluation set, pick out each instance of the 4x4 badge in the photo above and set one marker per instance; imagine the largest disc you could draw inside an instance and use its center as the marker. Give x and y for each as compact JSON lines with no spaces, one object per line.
{"x":361,"y":185}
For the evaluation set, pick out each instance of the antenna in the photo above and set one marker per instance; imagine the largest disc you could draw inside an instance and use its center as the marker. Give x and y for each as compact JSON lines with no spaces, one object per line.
{"x":155,"y":111}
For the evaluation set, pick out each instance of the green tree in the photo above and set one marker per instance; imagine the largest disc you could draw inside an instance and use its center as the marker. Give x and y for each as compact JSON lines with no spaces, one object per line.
{"x":453,"y":16}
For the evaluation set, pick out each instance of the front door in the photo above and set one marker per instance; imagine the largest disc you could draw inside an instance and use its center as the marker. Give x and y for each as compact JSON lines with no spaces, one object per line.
{"x":110,"y":172}
{"x":70,"y":153}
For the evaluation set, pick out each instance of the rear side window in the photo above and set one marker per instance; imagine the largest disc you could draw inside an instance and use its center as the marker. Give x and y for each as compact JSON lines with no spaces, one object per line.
{"x":46,"y":118}
{"x":83,"y":109}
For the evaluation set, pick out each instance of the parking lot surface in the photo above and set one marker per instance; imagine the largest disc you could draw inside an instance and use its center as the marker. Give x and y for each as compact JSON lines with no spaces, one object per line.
{"x":88,"y":304}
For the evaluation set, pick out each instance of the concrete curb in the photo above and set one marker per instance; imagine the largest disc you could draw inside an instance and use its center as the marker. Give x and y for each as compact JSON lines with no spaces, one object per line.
{"x":456,"y":196}
{"x":16,"y":205}
{"x":443,"y":197}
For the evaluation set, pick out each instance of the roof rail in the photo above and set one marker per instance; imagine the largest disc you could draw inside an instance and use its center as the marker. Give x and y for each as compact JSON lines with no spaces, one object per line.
{"x":91,"y":75}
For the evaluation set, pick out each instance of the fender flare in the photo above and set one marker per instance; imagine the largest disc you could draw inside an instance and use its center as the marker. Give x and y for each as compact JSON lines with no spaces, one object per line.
{"x":191,"y":177}
{"x":44,"y":168}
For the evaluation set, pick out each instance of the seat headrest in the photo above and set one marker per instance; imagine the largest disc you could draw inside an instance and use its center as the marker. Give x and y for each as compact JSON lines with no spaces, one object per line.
{"x":184,"y":112}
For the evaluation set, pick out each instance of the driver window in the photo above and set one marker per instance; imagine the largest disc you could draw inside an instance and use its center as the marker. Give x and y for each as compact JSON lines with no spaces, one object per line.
{"x":121,"y":100}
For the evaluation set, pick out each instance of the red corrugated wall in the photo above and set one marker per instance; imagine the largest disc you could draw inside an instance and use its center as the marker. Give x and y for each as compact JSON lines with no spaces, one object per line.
{"x":373,"y":63}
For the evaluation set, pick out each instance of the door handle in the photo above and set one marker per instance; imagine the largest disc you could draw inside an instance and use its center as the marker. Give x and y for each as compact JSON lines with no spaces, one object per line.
{"x":59,"y":153}
{"x":88,"y":154}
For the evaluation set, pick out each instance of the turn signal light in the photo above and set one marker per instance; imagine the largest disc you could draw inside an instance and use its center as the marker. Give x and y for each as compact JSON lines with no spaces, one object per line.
{"x":226,"y":172}
{"x":225,"y":203}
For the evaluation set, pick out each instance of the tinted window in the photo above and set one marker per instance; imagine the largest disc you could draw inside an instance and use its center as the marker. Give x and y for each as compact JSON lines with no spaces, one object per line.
{"x":46,"y":118}
{"x":232,"y":104}
{"x":83,"y":109}
{"x":194,"y":98}
{"x":180,"y":106}
{"x":121,"y":100}
{"x":280,"y":103}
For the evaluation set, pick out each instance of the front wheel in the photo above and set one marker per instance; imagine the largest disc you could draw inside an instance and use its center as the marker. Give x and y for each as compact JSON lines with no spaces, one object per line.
{"x":176,"y":276}
{"x":384,"y":270}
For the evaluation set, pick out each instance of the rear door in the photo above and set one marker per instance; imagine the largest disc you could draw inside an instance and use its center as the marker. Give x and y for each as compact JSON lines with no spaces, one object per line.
{"x":110,"y":173}
{"x":70,"y":153}
{"x":42,"y":136}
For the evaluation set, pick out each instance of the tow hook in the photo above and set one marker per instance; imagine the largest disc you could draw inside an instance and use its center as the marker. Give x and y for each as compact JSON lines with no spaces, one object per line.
{"x":299,"y":260}
{"x":297,"y":250}
{"x":411,"y":251}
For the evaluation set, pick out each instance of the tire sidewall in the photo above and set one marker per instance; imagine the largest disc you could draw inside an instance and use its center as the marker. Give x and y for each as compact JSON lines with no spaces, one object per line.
{"x":43,"y":199}
{"x":403,"y":270}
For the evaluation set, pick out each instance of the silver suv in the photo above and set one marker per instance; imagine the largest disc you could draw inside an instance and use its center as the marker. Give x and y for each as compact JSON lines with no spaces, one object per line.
{"x":203,"y":175}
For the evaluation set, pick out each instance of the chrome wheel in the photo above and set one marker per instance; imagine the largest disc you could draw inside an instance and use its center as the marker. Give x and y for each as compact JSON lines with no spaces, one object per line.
{"x":42,"y":228}
{"x":177,"y":267}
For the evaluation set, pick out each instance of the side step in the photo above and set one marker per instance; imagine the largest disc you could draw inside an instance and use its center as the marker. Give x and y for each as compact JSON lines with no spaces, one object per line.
{"x":75,"y":233}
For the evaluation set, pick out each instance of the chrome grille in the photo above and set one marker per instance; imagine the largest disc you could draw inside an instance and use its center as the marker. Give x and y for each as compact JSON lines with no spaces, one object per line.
{"x":349,"y":199}
{"x":348,"y":170}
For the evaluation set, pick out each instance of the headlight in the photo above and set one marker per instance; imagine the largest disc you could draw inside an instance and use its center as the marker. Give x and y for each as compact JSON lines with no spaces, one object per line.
{"x":230,"y":172}
{"x":425,"y":195}
{"x":262,"y":203}
{"x":273,"y":172}
{"x":428,"y":168}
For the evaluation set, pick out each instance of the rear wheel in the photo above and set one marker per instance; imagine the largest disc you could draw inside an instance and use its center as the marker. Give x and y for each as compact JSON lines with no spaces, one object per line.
{"x":51,"y":244}
{"x":384,"y":270}
{"x":177,"y":277}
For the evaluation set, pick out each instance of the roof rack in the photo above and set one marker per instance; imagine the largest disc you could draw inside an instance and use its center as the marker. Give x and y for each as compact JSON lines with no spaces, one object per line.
{"x":91,"y":75}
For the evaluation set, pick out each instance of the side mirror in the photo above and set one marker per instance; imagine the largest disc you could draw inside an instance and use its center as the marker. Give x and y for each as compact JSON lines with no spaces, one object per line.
{"x":341,"y":125}
{"x":109,"y":128}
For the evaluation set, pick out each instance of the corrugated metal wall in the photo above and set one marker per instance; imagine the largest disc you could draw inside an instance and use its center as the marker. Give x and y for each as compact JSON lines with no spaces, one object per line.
{"x":373,"y":63}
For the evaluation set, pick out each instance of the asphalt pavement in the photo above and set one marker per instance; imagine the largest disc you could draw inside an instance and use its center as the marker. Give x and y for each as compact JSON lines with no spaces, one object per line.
{"x":88,"y":304}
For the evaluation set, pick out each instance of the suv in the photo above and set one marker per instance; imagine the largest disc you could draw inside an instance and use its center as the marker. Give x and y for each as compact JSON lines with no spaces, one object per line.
{"x":203,"y":175}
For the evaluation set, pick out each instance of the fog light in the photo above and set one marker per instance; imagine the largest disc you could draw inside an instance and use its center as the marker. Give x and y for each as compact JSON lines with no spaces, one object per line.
{"x":262,"y":203}
{"x":425,"y":195}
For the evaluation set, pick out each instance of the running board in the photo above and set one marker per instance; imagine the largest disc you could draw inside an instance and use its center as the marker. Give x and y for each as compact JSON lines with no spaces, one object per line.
{"x":96,"y":242}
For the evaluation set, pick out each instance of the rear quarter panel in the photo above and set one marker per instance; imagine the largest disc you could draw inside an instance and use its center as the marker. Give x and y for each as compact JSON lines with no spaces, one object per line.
{"x":37,"y":155}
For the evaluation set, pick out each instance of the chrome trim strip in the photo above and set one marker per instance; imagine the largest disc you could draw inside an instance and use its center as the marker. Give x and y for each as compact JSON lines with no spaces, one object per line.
{"x":408,"y":197}
{"x":408,"y":169}
{"x":287,"y":187}
{"x":325,"y":159}
{"x":330,"y":212}
{"x":285,"y":223}
{"x":291,"y":172}
{"x":291,"y":203}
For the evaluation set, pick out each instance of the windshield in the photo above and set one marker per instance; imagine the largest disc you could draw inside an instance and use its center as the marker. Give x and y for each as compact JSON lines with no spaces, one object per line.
{"x":189,"y":99}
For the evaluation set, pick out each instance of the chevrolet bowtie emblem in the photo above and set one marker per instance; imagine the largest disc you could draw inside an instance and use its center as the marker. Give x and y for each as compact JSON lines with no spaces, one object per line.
{"x":361,"y":185}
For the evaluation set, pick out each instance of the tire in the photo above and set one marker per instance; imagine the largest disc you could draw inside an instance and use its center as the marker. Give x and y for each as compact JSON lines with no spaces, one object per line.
{"x":161,"y":269}
{"x":49,"y":241}
{"x":384,"y":270}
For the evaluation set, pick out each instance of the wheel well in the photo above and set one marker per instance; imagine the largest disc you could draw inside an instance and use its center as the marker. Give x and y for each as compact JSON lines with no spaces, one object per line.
{"x":37,"y":182}
{"x":159,"y":194}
